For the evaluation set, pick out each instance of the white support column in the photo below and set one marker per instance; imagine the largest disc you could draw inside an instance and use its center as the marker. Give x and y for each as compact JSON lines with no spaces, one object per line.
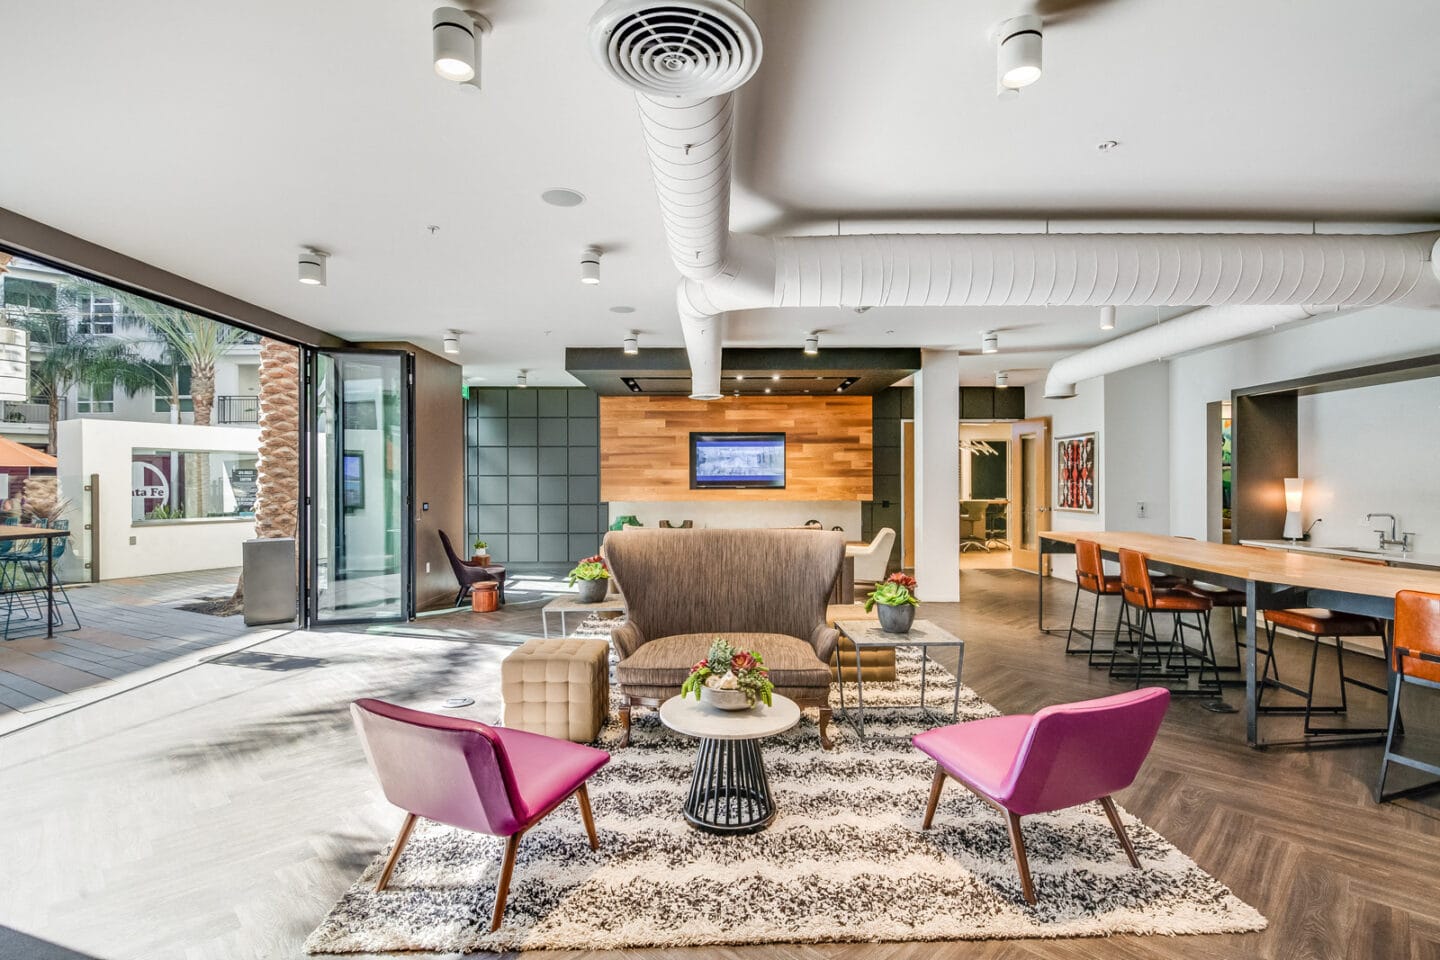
{"x":937,"y":475}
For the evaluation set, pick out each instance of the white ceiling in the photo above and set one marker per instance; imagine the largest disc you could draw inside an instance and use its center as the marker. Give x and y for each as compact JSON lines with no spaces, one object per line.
{"x":215,"y":141}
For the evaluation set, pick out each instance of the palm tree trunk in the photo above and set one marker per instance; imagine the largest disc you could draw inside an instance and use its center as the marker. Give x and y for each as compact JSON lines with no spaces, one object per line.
{"x":54,"y":403}
{"x":202,"y":393}
{"x":278,"y":465}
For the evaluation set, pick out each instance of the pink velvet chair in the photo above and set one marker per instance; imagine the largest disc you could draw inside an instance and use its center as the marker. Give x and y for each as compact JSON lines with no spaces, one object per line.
{"x":460,"y":772}
{"x":1063,"y":756}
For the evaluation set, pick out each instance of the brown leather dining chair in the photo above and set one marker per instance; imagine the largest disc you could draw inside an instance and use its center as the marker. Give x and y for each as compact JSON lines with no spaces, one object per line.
{"x":1141,"y":595}
{"x":1091,"y":578}
{"x":1414,"y":662}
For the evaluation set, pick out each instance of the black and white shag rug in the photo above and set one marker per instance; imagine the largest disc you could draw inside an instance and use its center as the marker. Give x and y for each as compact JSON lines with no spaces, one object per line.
{"x":845,"y":860}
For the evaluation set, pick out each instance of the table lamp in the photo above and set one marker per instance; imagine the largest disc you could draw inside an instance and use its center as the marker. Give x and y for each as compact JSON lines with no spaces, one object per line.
{"x":1294,"y":525}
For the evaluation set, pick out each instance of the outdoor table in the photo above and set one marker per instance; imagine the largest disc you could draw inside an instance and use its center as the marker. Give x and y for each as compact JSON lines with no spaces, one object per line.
{"x":49,"y":535}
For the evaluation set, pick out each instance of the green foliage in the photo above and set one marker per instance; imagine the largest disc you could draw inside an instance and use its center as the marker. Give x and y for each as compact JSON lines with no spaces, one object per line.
{"x":591,"y":568}
{"x":891,"y":594}
{"x":481,"y":545}
{"x":166,"y":512}
{"x":751,"y":677}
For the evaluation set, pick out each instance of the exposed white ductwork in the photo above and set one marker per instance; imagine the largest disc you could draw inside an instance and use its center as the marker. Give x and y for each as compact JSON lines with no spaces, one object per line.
{"x":1189,"y":331}
{"x":688,"y":135}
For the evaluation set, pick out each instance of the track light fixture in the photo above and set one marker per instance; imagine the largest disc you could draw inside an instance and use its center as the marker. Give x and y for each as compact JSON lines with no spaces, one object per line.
{"x":632,"y":345}
{"x":1107,"y":318}
{"x":990,"y":342}
{"x":812,"y":344}
{"x":455,"y":43}
{"x":1002,"y":379}
{"x":452,"y":341}
{"x":1018,"y":56}
{"x":590,"y":265}
{"x":312,"y":267}
{"x":522,"y":379}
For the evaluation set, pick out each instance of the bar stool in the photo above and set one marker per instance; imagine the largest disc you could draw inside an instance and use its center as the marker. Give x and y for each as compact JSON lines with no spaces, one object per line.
{"x":1316,"y":624}
{"x":1090,"y":577}
{"x":1415,"y":661}
{"x":1138,"y":591}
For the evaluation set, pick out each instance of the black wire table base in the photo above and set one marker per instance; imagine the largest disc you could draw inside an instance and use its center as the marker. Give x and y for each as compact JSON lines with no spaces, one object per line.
{"x":729,"y":792}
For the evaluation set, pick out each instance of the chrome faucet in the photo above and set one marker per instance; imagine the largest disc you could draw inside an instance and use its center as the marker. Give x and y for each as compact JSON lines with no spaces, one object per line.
{"x":1403,"y":543}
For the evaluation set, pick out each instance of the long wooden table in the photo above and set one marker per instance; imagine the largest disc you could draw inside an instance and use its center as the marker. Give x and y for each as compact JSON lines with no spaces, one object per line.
{"x":1271,"y":579}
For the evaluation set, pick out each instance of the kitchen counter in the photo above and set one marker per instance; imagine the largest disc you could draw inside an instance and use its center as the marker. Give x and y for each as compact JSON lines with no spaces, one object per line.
{"x":1392,"y":557}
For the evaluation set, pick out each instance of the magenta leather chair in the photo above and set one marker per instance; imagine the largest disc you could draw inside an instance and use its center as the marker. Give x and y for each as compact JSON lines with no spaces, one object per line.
{"x":1061,"y":757}
{"x":463,"y":773}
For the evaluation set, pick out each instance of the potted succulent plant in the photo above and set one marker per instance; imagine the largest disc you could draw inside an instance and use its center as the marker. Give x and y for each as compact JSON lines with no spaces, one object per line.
{"x":729,"y":679}
{"x":894,"y":601}
{"x":481,"y":553}
{"x":593,"y":578}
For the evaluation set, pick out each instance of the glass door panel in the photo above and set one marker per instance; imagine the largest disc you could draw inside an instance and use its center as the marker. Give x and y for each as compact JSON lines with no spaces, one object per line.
{"x":359,"y":478}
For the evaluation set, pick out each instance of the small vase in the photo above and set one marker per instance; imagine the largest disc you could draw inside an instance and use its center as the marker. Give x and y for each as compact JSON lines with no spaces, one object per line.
{"x":724,"y":699}
{"x":592,"y":591}
{"x":896,"y":618}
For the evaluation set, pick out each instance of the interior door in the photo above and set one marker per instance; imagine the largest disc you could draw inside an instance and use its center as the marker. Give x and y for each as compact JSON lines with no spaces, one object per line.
{"x":358,"y":526}
{"x":1029,"y":492}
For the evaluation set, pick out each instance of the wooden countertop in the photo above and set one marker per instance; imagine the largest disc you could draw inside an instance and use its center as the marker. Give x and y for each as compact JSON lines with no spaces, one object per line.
{"x":1310,"y":571}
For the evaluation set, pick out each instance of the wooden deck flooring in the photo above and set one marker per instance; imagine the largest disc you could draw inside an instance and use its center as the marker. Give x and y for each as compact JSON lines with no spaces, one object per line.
{"x":219,"y":812}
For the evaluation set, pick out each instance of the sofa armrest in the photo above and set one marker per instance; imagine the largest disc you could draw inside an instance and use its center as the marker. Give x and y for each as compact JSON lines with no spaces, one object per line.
{"x":627,"y":638}
{"x":824,"y":638}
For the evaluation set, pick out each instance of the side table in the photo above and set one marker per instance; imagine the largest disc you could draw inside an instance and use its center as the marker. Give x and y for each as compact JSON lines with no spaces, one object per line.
{"x":923,"y":634}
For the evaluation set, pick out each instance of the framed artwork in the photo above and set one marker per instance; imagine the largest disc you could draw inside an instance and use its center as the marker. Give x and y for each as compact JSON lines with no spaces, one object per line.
{"x":1076,"y":474}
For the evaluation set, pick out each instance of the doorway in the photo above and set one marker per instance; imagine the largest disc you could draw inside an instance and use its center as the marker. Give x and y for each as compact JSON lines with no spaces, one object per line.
{"x":358,"y":527}
{"x":984,"y":496}
{"x":1029,"y":492}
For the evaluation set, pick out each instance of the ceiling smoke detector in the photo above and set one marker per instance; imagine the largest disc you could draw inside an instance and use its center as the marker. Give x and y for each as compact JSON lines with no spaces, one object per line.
{"x":689,"y":48}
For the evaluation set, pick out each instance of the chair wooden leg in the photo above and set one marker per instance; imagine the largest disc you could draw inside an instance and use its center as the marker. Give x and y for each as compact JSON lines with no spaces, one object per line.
{"x":935,"y":786}
{"x":583,"y":796}
{"x":625,"y":725}
{"x":401,"y":839}
{"x":825,"y":741}
{"x":1022,"y":863}
{"x":503,"y":889}
{"x":1119,"y":828}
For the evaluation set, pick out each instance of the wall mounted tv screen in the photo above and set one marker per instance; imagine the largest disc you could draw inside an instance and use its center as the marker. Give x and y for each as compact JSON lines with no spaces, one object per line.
{"x":721,"y":461}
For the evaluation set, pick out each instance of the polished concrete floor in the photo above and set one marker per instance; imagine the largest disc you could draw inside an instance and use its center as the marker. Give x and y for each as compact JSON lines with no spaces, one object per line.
{"x":219,"y":812}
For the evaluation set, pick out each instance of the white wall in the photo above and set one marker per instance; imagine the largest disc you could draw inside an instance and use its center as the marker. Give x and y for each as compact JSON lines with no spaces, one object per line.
{"x":1336,"y":343}
{"x":104,"y":447}
{"x":1371,"y":450}
{"x":747,"y":514}
{"x":1082,"y":413}
{"x":1135,"y":449}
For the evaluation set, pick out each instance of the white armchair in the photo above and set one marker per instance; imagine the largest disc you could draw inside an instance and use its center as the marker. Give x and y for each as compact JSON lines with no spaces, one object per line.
{"x":872,"y":558}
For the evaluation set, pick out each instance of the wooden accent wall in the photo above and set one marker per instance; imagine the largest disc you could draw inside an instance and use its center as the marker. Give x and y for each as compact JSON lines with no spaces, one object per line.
{"x":645,"y":445}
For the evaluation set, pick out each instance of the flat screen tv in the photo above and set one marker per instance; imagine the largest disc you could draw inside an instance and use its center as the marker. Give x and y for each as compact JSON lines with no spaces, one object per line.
{"x":720,"y":461}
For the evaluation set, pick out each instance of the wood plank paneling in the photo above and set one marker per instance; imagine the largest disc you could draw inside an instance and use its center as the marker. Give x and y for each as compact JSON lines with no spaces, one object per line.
{"x":645,"y":445}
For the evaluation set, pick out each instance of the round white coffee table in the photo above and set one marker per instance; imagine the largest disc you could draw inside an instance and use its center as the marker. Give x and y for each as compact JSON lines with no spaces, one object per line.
{"x":729,"y":792}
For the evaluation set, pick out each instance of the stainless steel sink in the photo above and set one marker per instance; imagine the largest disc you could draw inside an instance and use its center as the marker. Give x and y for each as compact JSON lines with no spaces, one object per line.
{"x":1366,"y":550}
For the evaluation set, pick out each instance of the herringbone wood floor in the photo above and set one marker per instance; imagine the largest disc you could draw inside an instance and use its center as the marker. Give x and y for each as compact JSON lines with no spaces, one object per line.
{"x":218,"y":813}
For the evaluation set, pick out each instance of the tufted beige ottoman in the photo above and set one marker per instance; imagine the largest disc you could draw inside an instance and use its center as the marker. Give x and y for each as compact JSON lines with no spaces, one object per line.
{"x":560,"y":688}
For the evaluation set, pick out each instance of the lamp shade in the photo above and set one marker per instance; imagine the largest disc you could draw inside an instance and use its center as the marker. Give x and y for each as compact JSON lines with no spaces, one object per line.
{"x":1294,"y":492}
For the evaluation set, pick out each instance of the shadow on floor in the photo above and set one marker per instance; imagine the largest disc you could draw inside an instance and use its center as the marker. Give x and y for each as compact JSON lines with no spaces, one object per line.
{"x":15,"y":945}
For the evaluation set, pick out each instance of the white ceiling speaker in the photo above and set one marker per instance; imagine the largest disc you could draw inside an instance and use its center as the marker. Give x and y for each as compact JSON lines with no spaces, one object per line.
{"x":632,"y":345}
{"x":590,"y":265}
{"x":687,"y":48}
{"x":812,"y":345}
{"x":451,"y":341}
{"x":522,"y":379}
{"x":1018,"y":56}
{"x":312,"y":267}
{"x":1002,"y":379}
{"x":1107,"y":318}
{"x":990,"y":342}
{"x":455,"y":43}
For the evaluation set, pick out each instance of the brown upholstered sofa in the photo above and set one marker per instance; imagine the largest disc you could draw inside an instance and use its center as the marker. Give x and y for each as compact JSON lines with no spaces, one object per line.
{"x":763,"y":590}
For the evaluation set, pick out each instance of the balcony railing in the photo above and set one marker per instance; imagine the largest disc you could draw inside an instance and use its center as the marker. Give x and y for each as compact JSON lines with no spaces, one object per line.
{"x":28,"y":411}
{"x":237,"y":409}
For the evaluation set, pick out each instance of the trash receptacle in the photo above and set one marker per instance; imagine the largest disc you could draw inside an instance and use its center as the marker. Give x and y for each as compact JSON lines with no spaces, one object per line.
{"x":270,"y":584}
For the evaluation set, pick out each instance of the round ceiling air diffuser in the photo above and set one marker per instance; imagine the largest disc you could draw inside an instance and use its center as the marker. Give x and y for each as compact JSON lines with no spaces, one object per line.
{"x":693,"y":48}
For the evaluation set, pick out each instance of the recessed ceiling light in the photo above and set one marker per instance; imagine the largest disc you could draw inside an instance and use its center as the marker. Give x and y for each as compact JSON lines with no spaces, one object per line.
{"x":622,"y":309}
{"x":563,"y":197}
{"x":774,"y":376}
{"x":590,"y":266}
{"x":452,"y":341}
{"x":767,"y":389}
{"x":739,"y":376}
{"x":1018,"y":57}
{"x":1107,"y":318}
{"x":990,"y":342}
{"x":312,"y":267}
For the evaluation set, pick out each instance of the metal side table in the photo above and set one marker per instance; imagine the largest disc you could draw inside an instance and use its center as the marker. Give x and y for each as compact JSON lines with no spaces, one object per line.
{"x":923,"y":634}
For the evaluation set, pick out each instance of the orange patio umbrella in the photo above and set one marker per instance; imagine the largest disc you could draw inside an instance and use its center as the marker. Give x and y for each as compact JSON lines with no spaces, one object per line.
{"x":14,"y":454}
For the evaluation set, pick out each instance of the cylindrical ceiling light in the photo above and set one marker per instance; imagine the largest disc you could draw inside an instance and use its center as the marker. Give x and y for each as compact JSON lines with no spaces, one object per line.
{"x":1002,"y":379}
{"x":455,"y":43}
{"x":1107,"y":318}
{"x":1018,"y":57}
{"x":452,"y":341}
{"x":632,"y":345}
{"x":522,"y":379}
{"x":990,"y":342}
{"x":312,"y":267}
{"x":590,"y":265}
{"x":812,"y":344}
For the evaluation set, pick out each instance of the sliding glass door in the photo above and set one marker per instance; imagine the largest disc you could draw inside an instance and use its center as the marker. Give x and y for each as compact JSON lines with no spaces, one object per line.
{"x":358,"y":480}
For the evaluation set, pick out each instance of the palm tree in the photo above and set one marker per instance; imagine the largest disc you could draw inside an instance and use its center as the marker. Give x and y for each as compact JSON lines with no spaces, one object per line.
{"x":200,"y":341}
{"x":63,"y":354}
{"x":277,"y":468}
